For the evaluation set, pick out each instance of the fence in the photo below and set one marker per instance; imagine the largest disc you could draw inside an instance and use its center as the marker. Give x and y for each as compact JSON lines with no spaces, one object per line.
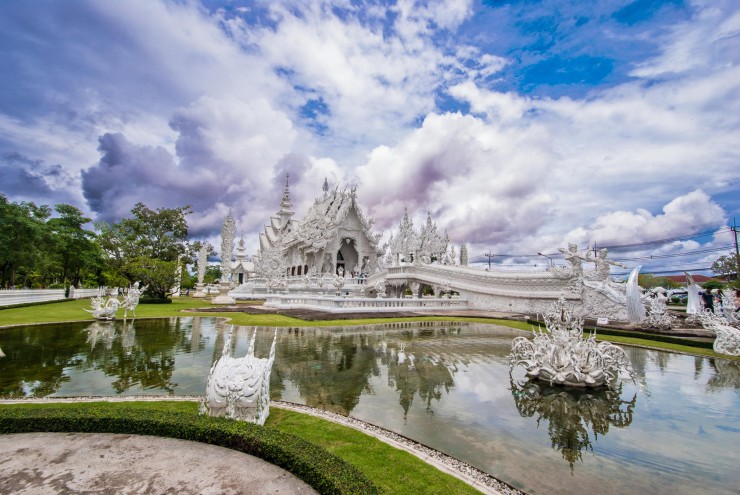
{"x":9,"y":297}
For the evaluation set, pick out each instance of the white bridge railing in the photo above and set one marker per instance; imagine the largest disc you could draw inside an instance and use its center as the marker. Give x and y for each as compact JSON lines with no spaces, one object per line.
{"x":354,"y":304}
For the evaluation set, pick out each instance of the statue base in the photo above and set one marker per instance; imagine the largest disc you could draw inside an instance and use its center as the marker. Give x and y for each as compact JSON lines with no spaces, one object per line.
{"x":199,"y":292}
{"x":223,"y":297}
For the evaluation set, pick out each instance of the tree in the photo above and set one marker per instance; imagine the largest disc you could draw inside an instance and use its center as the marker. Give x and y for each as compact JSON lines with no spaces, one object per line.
{"x":74,"y":248}
{"x":23,"y":239}
{"x":649,"y":281}
{"x":148,"y":247}
{"x":725,"y":266}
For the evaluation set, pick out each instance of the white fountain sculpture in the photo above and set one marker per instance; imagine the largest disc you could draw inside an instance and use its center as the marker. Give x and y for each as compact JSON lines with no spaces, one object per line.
{"x":239,"y":388}
{"x":562,"y":356}
{"x":132,"y":299}
{"x":103,"y":309}
{"x":728,"y":337}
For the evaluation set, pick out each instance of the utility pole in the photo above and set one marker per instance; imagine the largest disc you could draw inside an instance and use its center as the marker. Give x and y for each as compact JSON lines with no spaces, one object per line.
{"x":737,"y":252}
{"x":490,"y":257}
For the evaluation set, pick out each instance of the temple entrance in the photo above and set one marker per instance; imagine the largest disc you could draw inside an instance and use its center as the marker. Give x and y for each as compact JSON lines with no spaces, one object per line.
{"x":347,"y":256}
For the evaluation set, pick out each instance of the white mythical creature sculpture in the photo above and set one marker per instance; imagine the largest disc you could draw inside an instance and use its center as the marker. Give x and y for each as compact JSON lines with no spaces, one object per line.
{"x":239,"y":388}
{"x":657,"y":311}
{"x":728,"y":337}
{"x":339,"y":279}
{"x":132,"y":299}
{"x":103,"y":309}
{"x":562,"y":356}
{"x":380,"y":288}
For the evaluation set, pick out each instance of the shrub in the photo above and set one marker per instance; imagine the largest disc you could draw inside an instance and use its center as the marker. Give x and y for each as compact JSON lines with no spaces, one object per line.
{"x":155,"y":300}
{"x":325,"y":472}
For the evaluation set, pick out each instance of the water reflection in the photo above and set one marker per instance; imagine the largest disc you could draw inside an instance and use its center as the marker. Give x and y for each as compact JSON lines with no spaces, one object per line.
{"x":333,"y":370}
{"x":727,"y":374}
{"x":573,"y":414}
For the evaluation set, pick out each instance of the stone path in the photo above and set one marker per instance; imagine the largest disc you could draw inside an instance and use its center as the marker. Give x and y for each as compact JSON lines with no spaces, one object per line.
{"x":102,"y":463}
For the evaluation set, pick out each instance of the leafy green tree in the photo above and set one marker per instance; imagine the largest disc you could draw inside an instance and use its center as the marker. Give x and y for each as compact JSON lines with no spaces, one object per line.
{"x":148,"y":247}
{"x":725,"y":266}
{"x":212,"y":274}
{"x":648,"y":281}
{"x":74,"y":248}
{"x":23,"y":239}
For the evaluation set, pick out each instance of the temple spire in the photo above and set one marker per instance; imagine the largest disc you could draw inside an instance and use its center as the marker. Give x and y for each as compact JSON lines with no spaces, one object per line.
{"x":285,"y":211}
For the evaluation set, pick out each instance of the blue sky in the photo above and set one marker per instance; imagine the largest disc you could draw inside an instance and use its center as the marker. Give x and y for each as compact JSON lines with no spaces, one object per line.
{"x":519,"y":125}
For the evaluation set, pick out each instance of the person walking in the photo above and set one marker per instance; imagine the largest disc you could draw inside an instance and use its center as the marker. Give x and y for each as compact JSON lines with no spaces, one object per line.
{"x":708,"y":299}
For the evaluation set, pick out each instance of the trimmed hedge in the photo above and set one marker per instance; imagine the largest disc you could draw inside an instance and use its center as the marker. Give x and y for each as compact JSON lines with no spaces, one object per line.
{"x":641,"y":335}
{"x":325,"y":472}
{"x":155,"y":300}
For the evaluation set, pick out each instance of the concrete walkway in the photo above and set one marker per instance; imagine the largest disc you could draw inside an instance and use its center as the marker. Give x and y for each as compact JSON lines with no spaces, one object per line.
{"x":102,"y":463}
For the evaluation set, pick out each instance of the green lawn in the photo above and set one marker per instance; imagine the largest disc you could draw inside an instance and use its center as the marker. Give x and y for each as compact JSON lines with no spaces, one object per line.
{"x":394,"y":472}
{"x":73,"y":311}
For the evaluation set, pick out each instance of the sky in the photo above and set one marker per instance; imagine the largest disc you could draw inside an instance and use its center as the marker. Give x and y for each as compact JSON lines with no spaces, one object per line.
{"x":520,"y":126}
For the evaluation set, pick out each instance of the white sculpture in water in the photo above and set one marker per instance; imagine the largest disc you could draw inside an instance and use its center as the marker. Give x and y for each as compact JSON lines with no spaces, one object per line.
{"x":132,"y":299}
{"x":563,"y":357}
{"x":239,"y":388}
{"x":728,"y":337}
{"x":103,"y":309}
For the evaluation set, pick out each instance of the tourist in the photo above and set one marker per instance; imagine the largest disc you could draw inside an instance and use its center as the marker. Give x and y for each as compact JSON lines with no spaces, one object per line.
{"x":708,"y":299}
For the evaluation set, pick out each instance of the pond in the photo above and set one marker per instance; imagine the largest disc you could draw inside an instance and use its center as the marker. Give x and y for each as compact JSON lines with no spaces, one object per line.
{"x":675,"y":430}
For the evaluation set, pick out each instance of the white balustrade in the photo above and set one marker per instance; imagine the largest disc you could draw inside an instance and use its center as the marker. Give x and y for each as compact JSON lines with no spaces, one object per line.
{"x":354,"y":304}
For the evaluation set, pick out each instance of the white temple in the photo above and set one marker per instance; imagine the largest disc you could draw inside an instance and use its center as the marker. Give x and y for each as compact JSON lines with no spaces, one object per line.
{"x":334,"y":237}
{"x":331,"y":260}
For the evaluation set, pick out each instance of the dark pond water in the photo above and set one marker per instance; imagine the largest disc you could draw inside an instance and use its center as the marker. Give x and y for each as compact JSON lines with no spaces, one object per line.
{"x":676,"y":430}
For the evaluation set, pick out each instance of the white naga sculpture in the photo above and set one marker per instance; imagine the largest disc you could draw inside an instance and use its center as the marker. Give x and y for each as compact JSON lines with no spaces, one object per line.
{"x":728,"y":337}
{"x":657,"y":311}
{"x":132,"y":299}
{"x":635,"y":308}
{"x":239,"y":388}
{"x":563,"y":357}
{"x":103,"y":309}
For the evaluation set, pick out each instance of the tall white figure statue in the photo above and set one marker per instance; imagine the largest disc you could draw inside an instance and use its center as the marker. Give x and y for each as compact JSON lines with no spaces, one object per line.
{"x":239,"y":388}
{"x":132,"y":299}
{"x":693,"y":304}
{"x":635,"y":308}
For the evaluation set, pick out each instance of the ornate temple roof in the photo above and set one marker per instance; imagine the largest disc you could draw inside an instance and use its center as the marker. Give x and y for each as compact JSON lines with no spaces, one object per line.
{"x":322,"y":221}
{"x":320,"y":224}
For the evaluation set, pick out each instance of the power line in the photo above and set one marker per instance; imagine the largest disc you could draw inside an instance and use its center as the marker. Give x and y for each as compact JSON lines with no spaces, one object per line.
{"x":675,"y":255}
{"x":670,"y":239}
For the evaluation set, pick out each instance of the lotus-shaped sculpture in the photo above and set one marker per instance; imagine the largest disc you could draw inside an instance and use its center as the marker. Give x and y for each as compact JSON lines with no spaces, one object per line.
{"x":562,"y":356}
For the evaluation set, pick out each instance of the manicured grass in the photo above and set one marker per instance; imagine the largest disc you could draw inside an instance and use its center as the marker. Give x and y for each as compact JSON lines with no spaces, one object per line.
{"x":73,"y":311}
{"x":393,"y":471}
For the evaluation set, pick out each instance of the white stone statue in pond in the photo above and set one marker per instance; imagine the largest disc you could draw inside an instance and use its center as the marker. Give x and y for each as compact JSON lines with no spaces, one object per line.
{"x":132,"y":299}
{"x":103,"y":309}
{"x":239,"y":388}
{"x":561,"y":356}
